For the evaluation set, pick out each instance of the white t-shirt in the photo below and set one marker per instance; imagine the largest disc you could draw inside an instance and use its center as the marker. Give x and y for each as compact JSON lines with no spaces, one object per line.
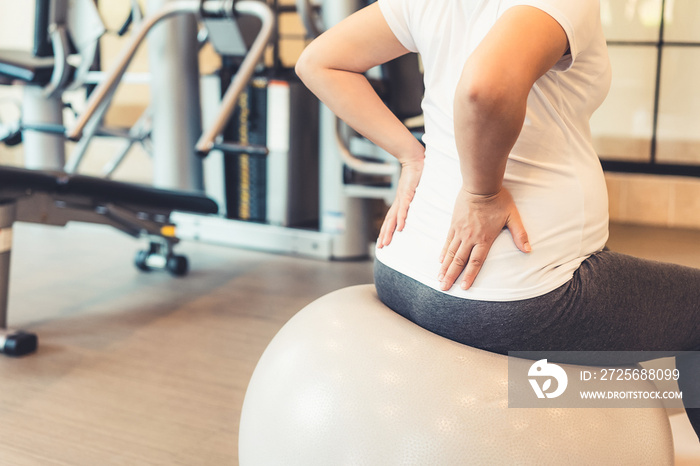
{"x":552,"y":172}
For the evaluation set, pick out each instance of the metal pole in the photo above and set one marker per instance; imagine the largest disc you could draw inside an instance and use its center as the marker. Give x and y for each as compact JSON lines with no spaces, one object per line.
{"x":42,"y":151}
{"x":342,"y":216}
{"x":7,"y":218}
{"x":175,"y":101}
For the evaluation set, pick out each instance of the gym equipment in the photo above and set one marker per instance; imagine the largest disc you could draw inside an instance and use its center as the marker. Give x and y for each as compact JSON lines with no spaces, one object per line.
{"x":174,"y":70}
{"x":66,"y":41}
{"x":56,"y":199}
{"x":346,"y":178}
{"x":310,"y":18}
{"x":348,"y":172}
{"x":351,"y":171}
{"x":348,"y":381}
{"x":88,"y":122}
{"x":217,"y":9}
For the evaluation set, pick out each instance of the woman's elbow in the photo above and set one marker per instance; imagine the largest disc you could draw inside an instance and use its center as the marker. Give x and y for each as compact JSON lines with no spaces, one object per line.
{"x":302,"y":65}
{"x":308,"y":63}
{"x":487,"y":92}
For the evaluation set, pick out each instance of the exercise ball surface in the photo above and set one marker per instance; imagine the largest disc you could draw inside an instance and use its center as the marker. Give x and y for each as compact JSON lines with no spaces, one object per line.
{"x":349,"y":382}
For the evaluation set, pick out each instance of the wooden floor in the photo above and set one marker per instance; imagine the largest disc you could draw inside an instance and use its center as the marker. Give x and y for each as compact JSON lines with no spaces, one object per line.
{"x":146,"y":369}
{"x":141,"y":369}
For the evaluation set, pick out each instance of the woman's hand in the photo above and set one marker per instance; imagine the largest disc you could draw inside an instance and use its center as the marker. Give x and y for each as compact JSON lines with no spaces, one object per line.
{"x":476,"y":222}
{"x":396,"y":217}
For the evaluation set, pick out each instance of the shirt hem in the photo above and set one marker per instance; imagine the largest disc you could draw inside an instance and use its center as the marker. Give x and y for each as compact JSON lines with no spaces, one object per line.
{"x":493,"y":295}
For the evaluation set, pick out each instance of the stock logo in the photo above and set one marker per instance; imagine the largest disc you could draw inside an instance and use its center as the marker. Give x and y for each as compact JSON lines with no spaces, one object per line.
{"x":546,"y":372}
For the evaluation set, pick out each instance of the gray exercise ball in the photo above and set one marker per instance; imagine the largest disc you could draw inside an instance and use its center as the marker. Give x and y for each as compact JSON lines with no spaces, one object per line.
{"x":349,"y":382}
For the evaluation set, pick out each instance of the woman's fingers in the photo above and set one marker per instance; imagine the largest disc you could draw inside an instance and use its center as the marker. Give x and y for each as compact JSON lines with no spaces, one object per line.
{"x":476,"y":259}
{"x":461,"y":257}
{"x":443,"y":253}
{"x":395,"y":219}
{"x":386,"y":232}
{"x":456,"y":258}
{"x":451,"y":256}
{"x":402,"y":214}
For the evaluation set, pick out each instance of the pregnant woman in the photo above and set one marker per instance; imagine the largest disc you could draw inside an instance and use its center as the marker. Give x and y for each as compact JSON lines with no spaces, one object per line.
{"x":497,"y":235}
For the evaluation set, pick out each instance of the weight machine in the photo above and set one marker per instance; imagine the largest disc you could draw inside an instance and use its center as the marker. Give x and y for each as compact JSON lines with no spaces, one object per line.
{"x":352,"y":171}
{"x":56,"y":198}
{"x":347,"y":177}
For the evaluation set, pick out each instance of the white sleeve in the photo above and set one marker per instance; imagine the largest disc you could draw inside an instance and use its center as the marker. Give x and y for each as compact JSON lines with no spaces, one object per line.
{"x":398,"y":14}
{"x":580,"y":20}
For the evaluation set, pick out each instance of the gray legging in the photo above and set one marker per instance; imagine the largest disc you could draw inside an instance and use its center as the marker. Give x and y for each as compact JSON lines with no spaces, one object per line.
{"x":613,"y":302}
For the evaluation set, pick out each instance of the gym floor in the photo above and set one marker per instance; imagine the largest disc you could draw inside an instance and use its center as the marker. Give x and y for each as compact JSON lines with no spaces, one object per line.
{"x":138,"y":368}
{"x":147,"y":369}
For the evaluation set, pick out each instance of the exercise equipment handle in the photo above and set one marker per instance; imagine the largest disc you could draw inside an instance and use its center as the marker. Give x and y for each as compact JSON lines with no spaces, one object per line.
{"x":310,"y":18}
{"x":263,"y":12}
{"x":358,"y":164}
{"x":104,"y":91}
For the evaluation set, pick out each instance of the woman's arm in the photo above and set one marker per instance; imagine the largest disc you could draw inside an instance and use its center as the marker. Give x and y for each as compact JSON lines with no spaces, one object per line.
{"x":333,"y":67}
{"x":489,"y":112}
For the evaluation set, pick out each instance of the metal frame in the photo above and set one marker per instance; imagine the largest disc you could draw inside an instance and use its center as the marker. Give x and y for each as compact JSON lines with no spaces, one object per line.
{"x":207,"y":142}
{"x":56,"y":27}
{"x":100,"y":98}
{"x":343,"y":230}
{"x":12,"y":342}
{"x":53,"y":208}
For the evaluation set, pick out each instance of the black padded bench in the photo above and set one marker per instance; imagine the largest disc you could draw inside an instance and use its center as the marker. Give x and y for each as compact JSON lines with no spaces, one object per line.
{"x":56,"y":199}
{"x":146,"y":197}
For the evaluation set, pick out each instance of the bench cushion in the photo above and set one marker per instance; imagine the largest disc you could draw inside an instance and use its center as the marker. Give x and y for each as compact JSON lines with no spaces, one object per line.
{"x":117,"y":192}
{"x":14,"y":180}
